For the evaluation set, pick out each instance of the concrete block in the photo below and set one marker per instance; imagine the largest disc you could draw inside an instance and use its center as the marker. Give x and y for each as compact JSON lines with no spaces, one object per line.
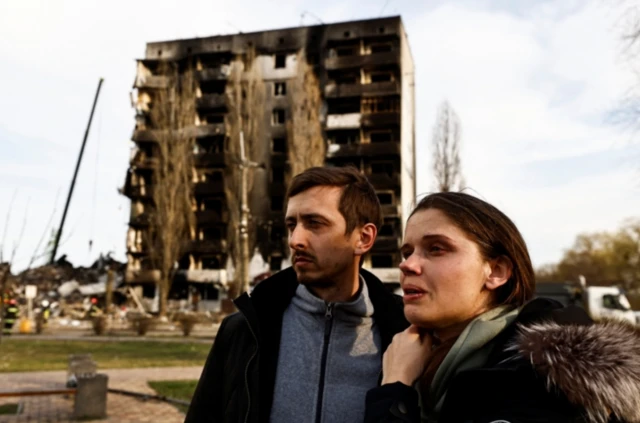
{"x":91,"y":397}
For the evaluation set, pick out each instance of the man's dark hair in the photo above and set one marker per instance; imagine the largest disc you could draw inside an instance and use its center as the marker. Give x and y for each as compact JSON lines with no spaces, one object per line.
{"x":359,"y":203}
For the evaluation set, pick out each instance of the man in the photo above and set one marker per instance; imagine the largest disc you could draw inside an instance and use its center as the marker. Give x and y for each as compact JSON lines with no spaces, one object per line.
{"x":10,"y":314}
{"x":307,"y":343}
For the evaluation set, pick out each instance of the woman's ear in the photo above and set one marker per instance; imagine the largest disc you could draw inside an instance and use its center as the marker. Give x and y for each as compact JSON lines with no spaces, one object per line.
{"x":501,"y":270}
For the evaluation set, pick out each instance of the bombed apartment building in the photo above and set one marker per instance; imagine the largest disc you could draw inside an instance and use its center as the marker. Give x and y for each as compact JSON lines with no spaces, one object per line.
{"x":353,"y":82}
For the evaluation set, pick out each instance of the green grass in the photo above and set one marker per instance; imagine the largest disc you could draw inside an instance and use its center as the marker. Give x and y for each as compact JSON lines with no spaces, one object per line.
{"x":176,"y":389}
{"x":37,"y":355}
{"x":8,"y":409}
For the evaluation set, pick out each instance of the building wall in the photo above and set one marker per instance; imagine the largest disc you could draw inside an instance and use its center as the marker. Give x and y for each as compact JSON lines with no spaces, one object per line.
{"x":408,"y":130}
{"x":339,"y":51}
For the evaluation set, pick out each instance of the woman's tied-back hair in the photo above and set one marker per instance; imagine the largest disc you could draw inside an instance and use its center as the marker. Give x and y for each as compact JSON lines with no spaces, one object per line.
{"x":496,"y":236}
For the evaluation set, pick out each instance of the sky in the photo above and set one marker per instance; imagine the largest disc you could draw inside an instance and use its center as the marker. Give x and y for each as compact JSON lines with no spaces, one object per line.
{"x":533,"y":82}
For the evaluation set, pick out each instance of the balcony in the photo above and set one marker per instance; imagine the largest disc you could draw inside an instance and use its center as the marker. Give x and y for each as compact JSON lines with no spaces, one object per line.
{"x":139,"y":221}
{"x":386,"y":244}
{"x":366,"y":150}
{"x":201,"y":131}
{"x":213,"y":74}
{"x":134,"y":276}
{"x":209,"y":188}
{"x":144,"y":135}
{"x":358,"y":61}
{"x":208,"y":246}
{"x":152,"y":82}
{"x":139,"y":191}
{"x":210,"y":217}
{"x":142,"y":161}
{"x":344,"y":121}
{"x":211,"y":101}
{"x":358,"y":90}
{"x":211,"y":160}
{"x":385,"y":181}
{"x":138,"y":250}
{"x":390,"y":210}
{"x":380,"y":119}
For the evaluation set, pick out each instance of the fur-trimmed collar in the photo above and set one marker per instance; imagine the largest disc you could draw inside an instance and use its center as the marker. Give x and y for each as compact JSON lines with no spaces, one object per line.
{"x":596,"y":366}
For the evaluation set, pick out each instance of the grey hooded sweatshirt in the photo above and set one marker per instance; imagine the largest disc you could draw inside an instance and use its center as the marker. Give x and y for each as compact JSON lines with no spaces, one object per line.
{"x":330,"y":356}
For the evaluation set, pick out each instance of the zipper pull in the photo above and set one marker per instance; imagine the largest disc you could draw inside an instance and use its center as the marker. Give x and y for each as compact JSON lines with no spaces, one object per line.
{"x":329,"y":312}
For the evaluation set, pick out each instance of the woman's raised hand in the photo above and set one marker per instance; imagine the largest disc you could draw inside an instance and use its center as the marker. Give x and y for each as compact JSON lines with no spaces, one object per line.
{"x":406,"y":358}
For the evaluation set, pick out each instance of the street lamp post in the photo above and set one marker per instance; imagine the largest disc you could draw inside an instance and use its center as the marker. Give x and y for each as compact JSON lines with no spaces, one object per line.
{"x":245,"y":214}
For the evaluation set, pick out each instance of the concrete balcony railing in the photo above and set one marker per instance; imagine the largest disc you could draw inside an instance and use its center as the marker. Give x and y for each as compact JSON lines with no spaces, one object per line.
{"x":200,"y":131}
{"x":358,"y":90}
{"x":211,"y":101}
{"x":380,"y":119}
{"x":152,"y":82}
{"x":142,"y":161}
{"x":366,"y":150}
{"x":358,"y":61}
{"x":135,"y":276}
{"x":213,"y":74}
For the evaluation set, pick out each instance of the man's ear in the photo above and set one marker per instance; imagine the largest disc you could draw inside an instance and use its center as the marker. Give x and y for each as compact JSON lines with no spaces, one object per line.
{"x":366,"y":239}
{"x":501,"y":269}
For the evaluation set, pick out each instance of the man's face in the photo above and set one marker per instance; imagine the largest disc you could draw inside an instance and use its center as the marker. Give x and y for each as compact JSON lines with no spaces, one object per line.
{"x":321,"y":253}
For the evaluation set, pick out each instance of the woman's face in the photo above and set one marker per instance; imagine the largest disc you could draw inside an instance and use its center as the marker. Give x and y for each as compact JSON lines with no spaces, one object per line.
{"x":445,"y":279}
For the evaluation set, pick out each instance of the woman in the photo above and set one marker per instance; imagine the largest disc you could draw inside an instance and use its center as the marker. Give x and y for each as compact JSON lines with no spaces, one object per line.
{"x":478,"y":349}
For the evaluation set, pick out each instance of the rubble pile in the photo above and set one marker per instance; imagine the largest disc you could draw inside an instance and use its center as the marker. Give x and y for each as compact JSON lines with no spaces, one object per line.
{"x":67,"y":291}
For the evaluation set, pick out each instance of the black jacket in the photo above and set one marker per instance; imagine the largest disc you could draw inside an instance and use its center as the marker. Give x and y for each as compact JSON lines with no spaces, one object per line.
{"x":238,"y":378}
{"x":552,"y":365}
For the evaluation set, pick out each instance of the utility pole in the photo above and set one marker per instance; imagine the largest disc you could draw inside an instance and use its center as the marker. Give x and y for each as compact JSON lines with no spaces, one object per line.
{"x":109,"y":291}
{"x":245,"y":214}
{"x":54,"y":251}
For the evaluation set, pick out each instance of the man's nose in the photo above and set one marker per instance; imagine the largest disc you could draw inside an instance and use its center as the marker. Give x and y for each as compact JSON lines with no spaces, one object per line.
{"x":298,"y":238}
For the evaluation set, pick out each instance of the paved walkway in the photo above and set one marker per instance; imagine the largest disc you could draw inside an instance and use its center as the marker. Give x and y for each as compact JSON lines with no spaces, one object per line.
{"x":120,"y":408}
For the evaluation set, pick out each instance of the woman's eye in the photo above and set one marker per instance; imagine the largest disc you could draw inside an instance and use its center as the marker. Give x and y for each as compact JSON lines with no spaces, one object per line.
{"x":436,"y":249}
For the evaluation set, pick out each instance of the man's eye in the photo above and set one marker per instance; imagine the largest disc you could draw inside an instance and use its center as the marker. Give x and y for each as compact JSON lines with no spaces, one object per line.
{"x":436,"y":249}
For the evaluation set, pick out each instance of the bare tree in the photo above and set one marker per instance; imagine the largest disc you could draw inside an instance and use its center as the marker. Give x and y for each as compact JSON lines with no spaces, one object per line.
{"x":306,"y":146}
{"x":245,"y":122}
{"x":628,"y":111}
{"x":6,"y":224}
{"x":171,"y":217}
{"x":446,"y":150}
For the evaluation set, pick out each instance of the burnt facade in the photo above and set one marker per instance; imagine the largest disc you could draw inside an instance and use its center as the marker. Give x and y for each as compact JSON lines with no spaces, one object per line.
{"x":366,"y":78}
